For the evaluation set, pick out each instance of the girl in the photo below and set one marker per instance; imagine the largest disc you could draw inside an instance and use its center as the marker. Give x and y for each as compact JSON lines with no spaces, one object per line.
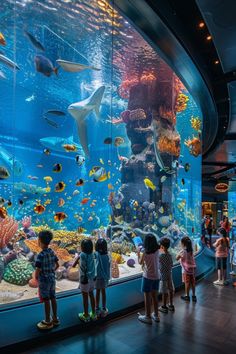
{"x":103,"y":275}
{"x":188,"y":265}
{"x":222,"y":251}
{"x":86,"y":261}
{"x":150,"y":281}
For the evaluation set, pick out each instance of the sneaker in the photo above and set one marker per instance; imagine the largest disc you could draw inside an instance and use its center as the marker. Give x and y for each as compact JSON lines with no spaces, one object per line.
{"x":155,"y":317}
{"x":144,"y":319}
{"x":84,"y":318}
{"x":171,"y":308}
{"x":43,"y":325}
{"x":185,"y":297}
{"x":98,"y":312}
{"x":93,"y":316}
{"x":218,"y":282}
{"x":163,"y":309}
{"x":56,"y":322}
{"x":194,"y":298}
{"x":104,"y":312}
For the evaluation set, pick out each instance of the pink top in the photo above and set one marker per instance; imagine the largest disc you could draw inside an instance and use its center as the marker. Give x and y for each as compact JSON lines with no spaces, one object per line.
{"x":222,"y":249}
{"x":151,"y":266}
{"x":187,"y":262}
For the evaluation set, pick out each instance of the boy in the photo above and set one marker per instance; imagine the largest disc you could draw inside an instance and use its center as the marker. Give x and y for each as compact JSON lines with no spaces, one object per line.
{"x":46,"y":264}
{"x":167,"y":287}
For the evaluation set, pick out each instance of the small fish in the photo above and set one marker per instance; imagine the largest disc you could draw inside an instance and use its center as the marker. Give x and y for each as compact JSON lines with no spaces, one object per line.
{"x":101,"y":161}
{"x":34,"y":41}
{"x":30,"y":98}
{"x":59,"y":217}
{"x":161,"y":210}
{"x":61,"y":202}
{"x":149,"y":184}
{"x":99,"y":174}
{"x":79,"y":182}
{"x":4,"y":173}
{"x":163,"y":179}
{"x":46,"y":152}
{"x":47,"y":179}
{"x":90,"y":218}
{"x":107,"y":141}
{"x":55,"y":112}
{"x":69,"y":147}
{"x":21,"y":202}
{"x":3,"y":213}
{"x":79,"y":160}
{"x":187,"y":167}
{"x":2,"y":39}
{"x":44,"y":65}
{"x":2,"y":201}
{"x":40,"y":166}
{"x":110,"y":186}
{"x":183,"y":181}
{"x":8,"y":62}
{"x":47,"y":202}
{"x":118,"y":141}
{"x":39,"y":209}
{"x":9,"y":203}
{"x":57,"y":168}
{"x":34,"y":178}
{"x":84,"y":201}
{"x":51,"y":122}
{"x":81,"y":230}
{"x":75,"y":192}
{"x":60,"y":186}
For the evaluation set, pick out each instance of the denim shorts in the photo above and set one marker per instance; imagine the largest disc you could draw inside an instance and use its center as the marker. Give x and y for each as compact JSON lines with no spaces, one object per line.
{"x":87,"y":288}
{"x":167,"y":286}
{"x":47,"y":290}
{"x":149,"y":285}
{"x":101,"y":283}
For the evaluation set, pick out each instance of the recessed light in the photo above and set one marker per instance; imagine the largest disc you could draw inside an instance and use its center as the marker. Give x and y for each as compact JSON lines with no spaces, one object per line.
{"x":216,"y":62}
{"x":208,"y":38}
{"x":201,"y":24}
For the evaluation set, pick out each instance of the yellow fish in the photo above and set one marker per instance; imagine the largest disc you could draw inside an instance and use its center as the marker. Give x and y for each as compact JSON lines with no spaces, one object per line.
{"x":149,"y":184}
{"x":47,"y":179}
{"x":110,"y":186}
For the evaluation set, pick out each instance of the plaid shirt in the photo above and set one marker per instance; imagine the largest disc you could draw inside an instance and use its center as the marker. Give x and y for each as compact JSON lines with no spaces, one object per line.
{"x":46,"y":262}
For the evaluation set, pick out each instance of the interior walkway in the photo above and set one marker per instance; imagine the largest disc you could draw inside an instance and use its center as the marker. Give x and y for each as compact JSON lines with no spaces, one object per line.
{"x":206,"y":327}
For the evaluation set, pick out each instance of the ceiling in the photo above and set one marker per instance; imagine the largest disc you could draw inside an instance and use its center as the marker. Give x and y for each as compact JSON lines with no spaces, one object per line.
{"x":213,"y":57}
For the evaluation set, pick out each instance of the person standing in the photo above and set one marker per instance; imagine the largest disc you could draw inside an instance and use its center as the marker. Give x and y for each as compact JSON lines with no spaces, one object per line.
{"x":210,"y":230}
{"x":222,"y":246}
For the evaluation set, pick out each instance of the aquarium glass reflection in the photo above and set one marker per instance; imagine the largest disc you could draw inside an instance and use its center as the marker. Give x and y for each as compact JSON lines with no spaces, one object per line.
{"x":99,"y":138}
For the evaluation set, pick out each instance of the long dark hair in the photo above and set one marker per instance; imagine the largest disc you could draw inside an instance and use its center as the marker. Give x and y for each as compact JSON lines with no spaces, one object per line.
{"x":150,"y":244}
{"x":87,"y":246}
{"x":187,"y":243}
{"x":224,"y":240}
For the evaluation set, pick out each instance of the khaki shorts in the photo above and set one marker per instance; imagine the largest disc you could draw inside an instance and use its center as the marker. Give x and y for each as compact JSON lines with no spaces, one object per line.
{"x":166,"y":286}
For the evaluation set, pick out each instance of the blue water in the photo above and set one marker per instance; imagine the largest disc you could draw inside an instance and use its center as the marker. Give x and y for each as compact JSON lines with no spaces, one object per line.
{"x":80,"y":32}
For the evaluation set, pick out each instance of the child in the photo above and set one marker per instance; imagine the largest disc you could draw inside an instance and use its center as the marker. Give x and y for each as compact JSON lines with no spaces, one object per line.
{"x":87,"y":279}
{"x":188,"y":265}
{"x":46,"y":264}
{"x":233,"y":259}
{"x":150,"y":281}
{"x":167,"y":286}
{"x":222,"y":251}
{"x":103,"y":275}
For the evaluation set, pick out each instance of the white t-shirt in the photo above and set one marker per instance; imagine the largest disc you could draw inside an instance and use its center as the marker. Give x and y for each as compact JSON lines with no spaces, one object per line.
{"x":233,"y":249}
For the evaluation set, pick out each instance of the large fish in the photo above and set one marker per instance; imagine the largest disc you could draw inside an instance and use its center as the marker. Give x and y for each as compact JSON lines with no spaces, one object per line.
{"x":79,"y":112}
{"x":34,"y":41}
{"x":74,"y":67}
{"x":14,"y":165}
{"x":56,"y":143}
{"x":44,"y":65}
{"x":8,"y":62}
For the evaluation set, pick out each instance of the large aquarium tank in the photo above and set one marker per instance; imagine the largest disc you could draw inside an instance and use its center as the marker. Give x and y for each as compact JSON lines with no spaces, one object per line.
{"x":98,"y":138}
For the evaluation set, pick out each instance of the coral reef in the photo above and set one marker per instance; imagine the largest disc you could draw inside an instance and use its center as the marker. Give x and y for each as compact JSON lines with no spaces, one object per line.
{"x":33,"y":283}
{"x":26,"y":222}
{"x":194,"y":145}
{"x":18,"y":272}
{"x":8,"y":228}
{"x":116,"y":257}
{"x":131,"y":262}
{"x":181,"y":102}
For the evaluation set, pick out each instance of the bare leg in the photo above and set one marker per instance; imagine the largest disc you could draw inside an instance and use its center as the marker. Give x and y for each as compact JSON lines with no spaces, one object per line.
{"x":97,"y":298}
{"x":104,"y":298}
{"x":54,"y":308}
{"x":223,"y":275}
{"x":92,"y":301}
{"x":171,"y":297}
{"x":193,"y":289}
{"x":155,"y":301}
{"x":85,"y":303}
{"x":187,"y":288}
{"x":47,"y":310}
{"x":219,"y":274}
{"x":147,"y":301}
{"x":165,"y":297}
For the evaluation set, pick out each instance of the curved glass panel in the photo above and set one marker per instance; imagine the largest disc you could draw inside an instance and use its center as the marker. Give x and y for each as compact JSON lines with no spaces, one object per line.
{"x":99,"y":138}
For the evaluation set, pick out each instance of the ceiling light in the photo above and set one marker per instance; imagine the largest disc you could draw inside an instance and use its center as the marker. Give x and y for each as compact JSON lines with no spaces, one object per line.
{"x":216,"y":62}
{"x":208,"y":38}
{"x":201,"y":24}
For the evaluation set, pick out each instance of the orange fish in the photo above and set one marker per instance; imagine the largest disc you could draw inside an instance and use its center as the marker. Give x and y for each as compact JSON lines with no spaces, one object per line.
{"x":3,"y":213}
{"x":84,"y":201}
{"x":39,"y":209}
{"x":69,"y":147}
{"x":60,"y":216}
{"x":79,"y":182}
{"x":2,"y":39}
{"x":60,"y":186}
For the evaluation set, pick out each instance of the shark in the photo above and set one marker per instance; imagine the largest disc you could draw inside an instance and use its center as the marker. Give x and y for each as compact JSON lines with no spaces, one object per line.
{"x":10,"y":161}
{"x":56,"y":143}
{"x":80,"y":110}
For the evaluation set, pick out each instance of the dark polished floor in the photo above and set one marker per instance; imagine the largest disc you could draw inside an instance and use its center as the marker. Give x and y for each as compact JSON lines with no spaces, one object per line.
{"x":206,"y":327}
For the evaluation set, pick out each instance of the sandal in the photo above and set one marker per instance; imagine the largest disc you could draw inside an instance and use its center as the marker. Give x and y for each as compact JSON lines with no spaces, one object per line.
{"x":56,"y":322}
{"x":44,"y":325}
